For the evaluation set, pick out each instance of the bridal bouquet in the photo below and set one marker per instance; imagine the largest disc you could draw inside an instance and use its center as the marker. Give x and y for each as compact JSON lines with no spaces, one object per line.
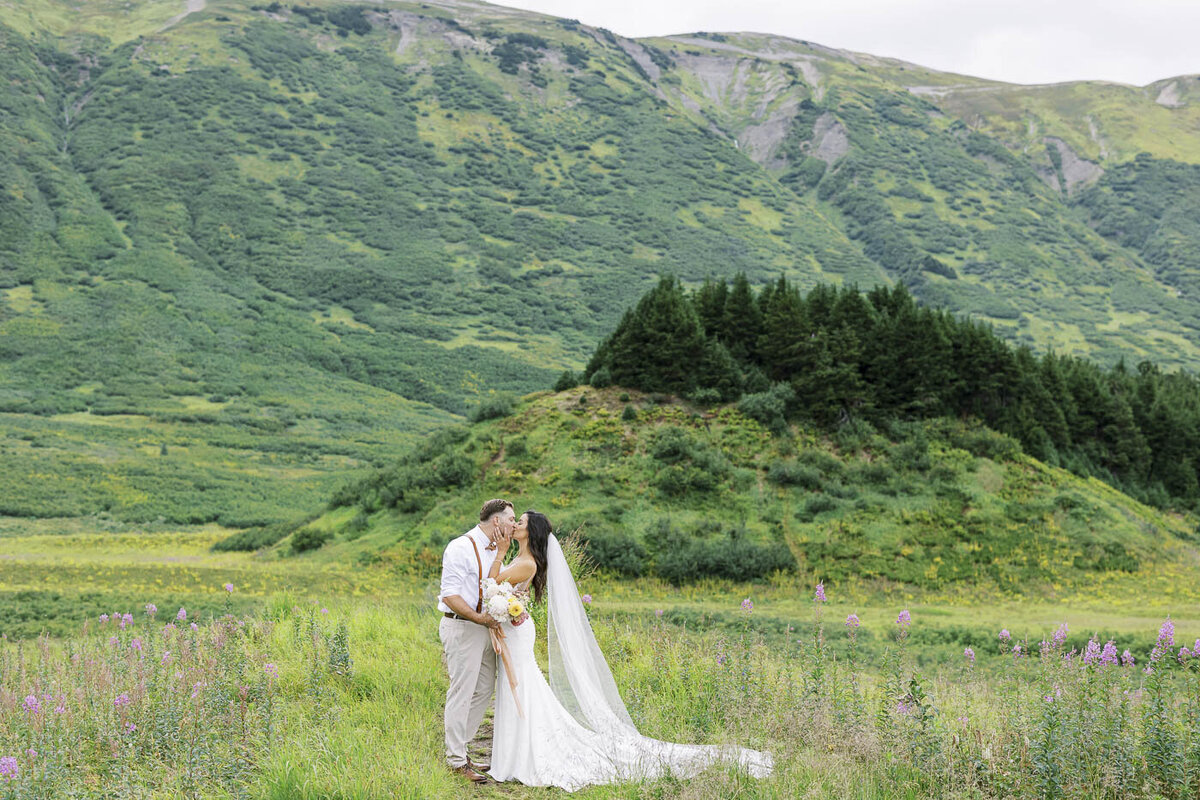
{"x":503,"y":603}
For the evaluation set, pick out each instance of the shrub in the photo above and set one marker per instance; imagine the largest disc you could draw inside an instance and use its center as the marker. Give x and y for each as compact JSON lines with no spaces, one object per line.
{"x":629,"y":414}
{"x":307,"y":539}
{"x":789,"y":473}
{"x":255,"y":538}
{"x":769,"y":407}
{"x":615,"y":552}
{"x":819,"y":504}
{"x":494,"y":407}
{"x":568,"y":380}
{"x":601,"y":378}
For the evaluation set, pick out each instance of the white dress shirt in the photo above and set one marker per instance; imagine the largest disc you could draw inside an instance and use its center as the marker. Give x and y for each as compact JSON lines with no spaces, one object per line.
{"x":460,"y":572}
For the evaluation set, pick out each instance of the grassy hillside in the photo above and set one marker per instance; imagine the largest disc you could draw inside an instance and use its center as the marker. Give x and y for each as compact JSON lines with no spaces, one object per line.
{"x":282,"y":239}
{"x":660,"y":488}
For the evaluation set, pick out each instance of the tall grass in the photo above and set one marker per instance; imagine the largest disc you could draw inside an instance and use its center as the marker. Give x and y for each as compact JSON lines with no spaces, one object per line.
{"x":356,"y":709}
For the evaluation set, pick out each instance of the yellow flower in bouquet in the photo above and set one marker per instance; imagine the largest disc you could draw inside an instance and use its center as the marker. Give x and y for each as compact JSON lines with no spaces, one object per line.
{"x":515,"y":609}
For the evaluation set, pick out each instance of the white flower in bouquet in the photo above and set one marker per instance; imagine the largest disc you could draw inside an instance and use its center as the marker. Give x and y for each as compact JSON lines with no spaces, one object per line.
{"x":497,"y":607}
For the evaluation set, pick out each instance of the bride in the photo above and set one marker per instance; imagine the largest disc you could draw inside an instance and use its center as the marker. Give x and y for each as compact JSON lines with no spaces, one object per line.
{"x":573,"y":731}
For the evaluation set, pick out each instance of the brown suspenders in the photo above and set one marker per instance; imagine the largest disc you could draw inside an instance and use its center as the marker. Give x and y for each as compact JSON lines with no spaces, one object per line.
{"x":478,"y":563}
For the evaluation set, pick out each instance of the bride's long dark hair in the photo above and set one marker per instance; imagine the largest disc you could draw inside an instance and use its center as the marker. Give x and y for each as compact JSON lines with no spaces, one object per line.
{"x":539,"y":535}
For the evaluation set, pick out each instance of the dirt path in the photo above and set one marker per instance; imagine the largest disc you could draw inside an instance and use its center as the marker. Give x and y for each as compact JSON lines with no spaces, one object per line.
{"x":192,"y":7}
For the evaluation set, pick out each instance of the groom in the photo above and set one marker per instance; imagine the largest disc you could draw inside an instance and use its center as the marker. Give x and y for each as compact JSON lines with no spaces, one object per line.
{"x":469,"y":656}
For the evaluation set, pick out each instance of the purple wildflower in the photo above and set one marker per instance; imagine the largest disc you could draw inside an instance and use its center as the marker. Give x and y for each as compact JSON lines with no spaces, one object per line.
{"x":852,"y":622}
{"x":747,"y":605}
{"x":903,"y":707}
{"x":1005,"y":636}
{"x":31,"y":753}
{"x":196,"y":687}
{"x":1108,"y":656}
{"x":136,"y":644}
{"x":121,"y":700}
{"x":151,"y":609}
{"x":166,"y":657}
{"x":182,"y":615}
{"x":229,"y":588}
{"x":324,"y":610}
{"x":103,"y":618}
{"x":130,"y":727}
{"x":658,"y":612}
{"x":32,"y":705}
{"x":820,"y":595}
{"x":1060,"y":635}
{"x":587,"y":599}
{"x":1091,"y":653}
{"x":904,"y":620}
{"x":272,"y":671}
{"x":969,"y":654}
{"x":1127,"y":659}
{"x":61,"y":708}
{"x":1184,"y":654}
{"x":1016,"y":651}
{"x":195,"y":627}
{"x":1166,"y":640}
{"x":8,"y":768}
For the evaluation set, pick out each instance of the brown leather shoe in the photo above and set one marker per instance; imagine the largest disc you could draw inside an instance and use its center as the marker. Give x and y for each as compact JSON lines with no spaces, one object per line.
{"x":470,"y":774}
{"x":478,"y":767}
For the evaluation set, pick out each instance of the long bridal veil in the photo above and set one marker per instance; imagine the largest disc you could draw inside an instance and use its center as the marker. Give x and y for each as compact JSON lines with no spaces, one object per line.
{"x":584,"y":685}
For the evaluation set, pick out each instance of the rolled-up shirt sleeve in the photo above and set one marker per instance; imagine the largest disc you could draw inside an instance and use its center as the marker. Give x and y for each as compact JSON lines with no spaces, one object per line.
{"x":457,"y":570}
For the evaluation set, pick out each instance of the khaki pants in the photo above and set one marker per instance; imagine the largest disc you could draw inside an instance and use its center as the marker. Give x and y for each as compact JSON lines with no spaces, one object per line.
{"x":471,"y":662}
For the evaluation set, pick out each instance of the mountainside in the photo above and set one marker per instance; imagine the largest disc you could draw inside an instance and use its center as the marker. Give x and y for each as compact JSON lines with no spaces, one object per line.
{"x":664,"y":488}
{"x":262,"y":245}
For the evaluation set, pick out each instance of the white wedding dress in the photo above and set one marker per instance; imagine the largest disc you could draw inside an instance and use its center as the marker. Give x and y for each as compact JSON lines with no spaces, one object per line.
{"x":575,"y":731}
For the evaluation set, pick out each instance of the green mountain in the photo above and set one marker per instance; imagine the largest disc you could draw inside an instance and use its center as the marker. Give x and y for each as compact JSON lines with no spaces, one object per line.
{"x":245,"y":250}
{"x":658,"y":487}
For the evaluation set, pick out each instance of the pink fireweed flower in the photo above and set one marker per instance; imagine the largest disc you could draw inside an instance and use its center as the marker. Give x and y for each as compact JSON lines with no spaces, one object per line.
{"x":114,"y":641}
{"x":31,"y":705}
{"x":658,"y":612}
{"x":587,"y":599}
{"x":969,"y":654}
{"x":820,"y":593}
{"x":1016,"y":651}
{"x":1166,"y":640}
{"x":8,"y":768}
{"x":151,"y":609}
{"x":182,"y":615}
{"x":61,"y":708}
{"x":121,"y":700}
{"x":166,"y":657}
{"x":1091,"y":653}
{"x":1127,"y":659}
{"x":324,"y":610}
{"x":166,"y":631}
{"x":195,"y":627}
{"x":31,"y":753}
{"x":904,"y":620}
{"x":130,"y":727}
{"x":1060,"y":635}
{"x":852,"y":622}
{"x":196,"y":688}
{"x":103,"y":618}
{"x":229,"y":588}
{"x":904,"y":708}
{"x":747,"y":605}
{"x":1108,"y":656}
{"x":136,"y":644}
{"x":1184,"y":654}
{"x":1005,"y":636}
{"x":272,"y":671}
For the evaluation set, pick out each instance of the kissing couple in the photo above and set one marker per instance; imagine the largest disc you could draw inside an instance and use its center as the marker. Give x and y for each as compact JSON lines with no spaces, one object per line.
{"x":572,"y":731}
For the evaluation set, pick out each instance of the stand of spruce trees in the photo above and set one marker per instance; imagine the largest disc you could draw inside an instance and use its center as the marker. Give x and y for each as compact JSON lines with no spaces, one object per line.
{"x":837,"y":356}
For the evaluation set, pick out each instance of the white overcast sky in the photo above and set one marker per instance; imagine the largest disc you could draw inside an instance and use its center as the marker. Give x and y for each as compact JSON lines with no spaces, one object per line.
{"x":1022,"y":41}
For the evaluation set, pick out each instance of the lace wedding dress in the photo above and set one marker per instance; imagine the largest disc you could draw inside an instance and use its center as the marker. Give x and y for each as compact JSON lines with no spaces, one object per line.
{"x":575,"y":730}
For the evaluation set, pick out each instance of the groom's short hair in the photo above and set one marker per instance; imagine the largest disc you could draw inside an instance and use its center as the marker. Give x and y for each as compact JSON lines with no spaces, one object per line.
{"x":492,"y":507}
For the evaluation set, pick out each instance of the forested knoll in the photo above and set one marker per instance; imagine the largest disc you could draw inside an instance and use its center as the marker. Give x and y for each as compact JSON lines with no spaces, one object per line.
{"x":265,"y":244}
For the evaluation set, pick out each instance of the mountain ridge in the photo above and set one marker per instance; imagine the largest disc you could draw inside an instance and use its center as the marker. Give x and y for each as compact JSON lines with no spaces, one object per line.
{"x":419,"y":207}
